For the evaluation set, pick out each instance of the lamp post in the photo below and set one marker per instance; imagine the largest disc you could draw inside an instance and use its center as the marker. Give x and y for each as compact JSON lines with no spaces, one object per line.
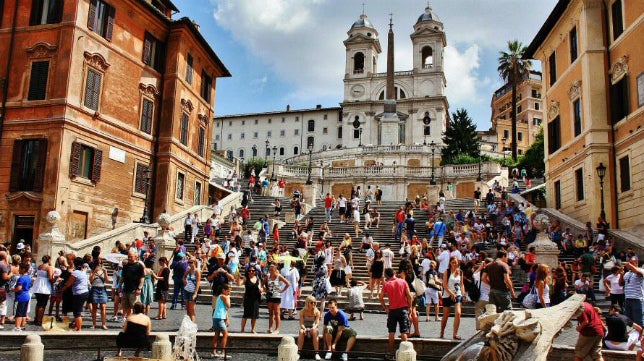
{"x":360,"y":132}
{"x":503,"y":140}
{"x":480,"y":177}
{"x":273,"y":171}
{"x":268,"y":149}
{"x":146,"y":178}
{"x":254,"y":151}
{"x":308,"y":179}
{"x":432,"y":146}
{"x":601,"y":172}
{"x":426,"y":121}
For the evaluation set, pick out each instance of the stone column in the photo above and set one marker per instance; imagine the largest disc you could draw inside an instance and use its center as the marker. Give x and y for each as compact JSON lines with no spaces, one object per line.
{"x":287,"y":350}
{"x":406,"y":352}
{"x":164,"y":241}
{"x":547,"y":251}
{"x":32,"y":349}
{"x":52,"y":240}
{"x":162,"y":348}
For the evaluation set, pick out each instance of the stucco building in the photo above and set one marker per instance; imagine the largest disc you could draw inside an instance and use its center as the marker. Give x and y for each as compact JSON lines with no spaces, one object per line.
{"x":102,"y":102}
{"x":592,"y":58}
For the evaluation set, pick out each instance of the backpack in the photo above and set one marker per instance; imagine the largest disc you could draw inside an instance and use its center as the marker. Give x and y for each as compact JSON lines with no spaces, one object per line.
{"x":473,"y":290}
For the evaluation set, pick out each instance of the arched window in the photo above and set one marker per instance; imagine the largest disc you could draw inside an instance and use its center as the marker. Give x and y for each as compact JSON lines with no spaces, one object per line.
{"x":296,"y":150}
{"x":428,"y":57}
{"x":382,"y":95}
{"x":282,"y":151}
{"x":241,"y":153}
{"x":310,"y":142}
{"x":311,"y":125}
{"x":402,"y":94}
{"x":324,"y":147}
{"x":358,"y":63}
{"x":254,"y":151}
{"x":399,"y":92}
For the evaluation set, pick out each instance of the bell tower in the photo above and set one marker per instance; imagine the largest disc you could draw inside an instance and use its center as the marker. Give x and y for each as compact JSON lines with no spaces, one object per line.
{"x":362,"y":47}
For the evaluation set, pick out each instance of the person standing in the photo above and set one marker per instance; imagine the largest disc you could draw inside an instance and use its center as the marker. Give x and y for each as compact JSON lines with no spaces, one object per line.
{"x":477,"y":199}
{"x":132,"y":282}
{"x":400,"y":298}
{"x":289,"y":296}
{"x":613,"y":289}
{"x":22,"y":297}
{"x":42,"y":287}
{"x":147,"y":291}
{"x":221,"y":321}
{"x":328,"y":206}
{"x":98,"y":279}
{"x":443,"y":260}
{"x":78,"y":282}
{"x":252,"y":297}
{"x":5,"y":276}
{"x":179,"y":266}
{"x":591,"y":332}
{"x":497,"y":275}
{"x":633,"y":283}
{"x":162,"y":287}
{"x":187,"y":228}
{"x":542,"y":285}
{"x":454,"y":289}
{"x":191,"y":281}
{"x":273,"y":285}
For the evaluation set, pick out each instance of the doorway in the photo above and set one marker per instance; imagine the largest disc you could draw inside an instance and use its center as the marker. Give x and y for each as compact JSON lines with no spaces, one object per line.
{"x":23,"y":229}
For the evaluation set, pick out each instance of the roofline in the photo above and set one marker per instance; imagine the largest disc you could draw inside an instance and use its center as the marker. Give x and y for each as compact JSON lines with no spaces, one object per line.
{"x":197,"y":34}
{"x":526,"y":80}
{"x":310,"y":110}
{"x":546,"y":28}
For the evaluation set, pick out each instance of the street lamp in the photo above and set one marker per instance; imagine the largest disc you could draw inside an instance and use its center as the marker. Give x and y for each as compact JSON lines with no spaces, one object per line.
{"x":146,"y":178}
{"x":432,"y":146}
{"x":308,"y":179}
{"x":426,"y":121}
{"x":601,"y":172}
{"x":360,"y":131}
{"x":268,"y":149}
{"x":273,"y":172}
{"x":503,"y":140}
{"x":480,"y":177}
{"x":254,"y":151}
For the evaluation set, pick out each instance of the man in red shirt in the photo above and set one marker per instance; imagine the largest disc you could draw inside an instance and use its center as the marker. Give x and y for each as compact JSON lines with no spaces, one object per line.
{"x":400,"y":299}
{"x":328,"y":206}
{"x":591,"y":333}
{"x":400,"y":223}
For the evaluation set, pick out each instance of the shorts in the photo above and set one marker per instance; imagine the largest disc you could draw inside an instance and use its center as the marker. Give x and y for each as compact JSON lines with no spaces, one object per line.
{"x":161,"y":295}
{"x":399,"y":317}
{"x":274,"y":300}
{"x":78,"y":301}
{"x":342,"y":210}
{"x":129,"y":299}
{"x":98,"y":295}
{"x":431,"y":296}
{"x":219,"y":324}
{"x":589,"y":346}
{"x":447,"y":301}
{"x":21,"y":309}
{"x":477,"y":202}
{"x":346,"y":334}
{"x":187,"y":296}
{"x":41,"y":299}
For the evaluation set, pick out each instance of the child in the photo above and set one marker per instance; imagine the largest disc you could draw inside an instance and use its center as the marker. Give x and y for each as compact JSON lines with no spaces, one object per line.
{"x":356,"y":303}
{"x":22,"y":297}
{"x":221,"y":322}
{"x":56,"y":295}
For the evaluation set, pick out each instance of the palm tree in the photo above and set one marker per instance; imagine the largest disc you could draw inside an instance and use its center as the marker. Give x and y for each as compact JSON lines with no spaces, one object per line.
{"x":513,"y":69}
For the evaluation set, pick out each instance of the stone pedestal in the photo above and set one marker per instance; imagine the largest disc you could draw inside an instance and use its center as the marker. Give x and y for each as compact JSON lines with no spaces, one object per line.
{"x":52,"y":240}
{"x":162,"y":348}
{"x":287,"y":350}
{"x":406,"y":352}
{"x":164,"y":241}
{"x":32,"y":349}
{"x":389,"y":127}
{"x":310,"y":196}
{"x":547,"y":251}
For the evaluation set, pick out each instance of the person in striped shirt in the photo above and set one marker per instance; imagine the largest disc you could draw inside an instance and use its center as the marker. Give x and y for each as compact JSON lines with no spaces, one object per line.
{"x":633,"y":282}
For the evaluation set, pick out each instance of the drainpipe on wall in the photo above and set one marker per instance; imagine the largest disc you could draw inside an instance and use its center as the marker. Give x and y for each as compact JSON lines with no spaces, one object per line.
{"x":613,"y":168}
{"x":5,"y":85}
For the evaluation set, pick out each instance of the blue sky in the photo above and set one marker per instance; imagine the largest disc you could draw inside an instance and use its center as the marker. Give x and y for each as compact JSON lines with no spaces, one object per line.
{"x":283,"y":52}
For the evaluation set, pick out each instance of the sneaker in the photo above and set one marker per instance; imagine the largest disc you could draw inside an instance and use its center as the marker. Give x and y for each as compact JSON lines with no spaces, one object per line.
{"x":17,"y":329}
{"x":345,"y":357}
{"x":328,"y":356}
{"x":317,"y":357}
{"x":1,"y":327}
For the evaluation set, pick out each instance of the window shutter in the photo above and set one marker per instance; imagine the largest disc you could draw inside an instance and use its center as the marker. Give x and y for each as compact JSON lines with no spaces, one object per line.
{"x":91,"y":16}
{"x":96,"y":166}
{"x":74,"y":161}
{"x":42,"y":162}
{"x":147,"y":49}
{"x":110,"y":23}
{"x":38,"y":80}
{"x":56,"y":14}
{"x":139,"y":182}
{"x":146,"y":116}
{"x":36,"y":12}
{"x":16,"y":165}
{"x":96,"y":91}
{"x":89,"y":87}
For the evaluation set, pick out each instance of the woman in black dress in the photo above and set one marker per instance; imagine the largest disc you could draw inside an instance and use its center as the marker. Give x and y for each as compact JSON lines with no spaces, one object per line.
{"x":252,"y":296}
{"x":377,"y":270}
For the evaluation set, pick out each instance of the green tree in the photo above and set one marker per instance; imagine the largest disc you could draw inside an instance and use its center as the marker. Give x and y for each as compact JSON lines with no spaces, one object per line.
{"x":533,"y":160}
{"x":460,"y":137}
{"x":513,"y":69}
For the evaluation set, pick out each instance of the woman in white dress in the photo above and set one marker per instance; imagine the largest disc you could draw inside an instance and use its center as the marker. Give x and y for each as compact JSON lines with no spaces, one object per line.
{"x":289,"y":296}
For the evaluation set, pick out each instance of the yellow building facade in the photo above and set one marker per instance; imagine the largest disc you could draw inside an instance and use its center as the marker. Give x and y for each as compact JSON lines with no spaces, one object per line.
{"x":592,"y":57}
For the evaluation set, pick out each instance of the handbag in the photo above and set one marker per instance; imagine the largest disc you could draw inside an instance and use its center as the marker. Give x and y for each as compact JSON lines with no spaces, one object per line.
{"x":531,"y":299}
{"x":432,"y":284}
{"x":419,"y":286}
{"x":190,"y":286}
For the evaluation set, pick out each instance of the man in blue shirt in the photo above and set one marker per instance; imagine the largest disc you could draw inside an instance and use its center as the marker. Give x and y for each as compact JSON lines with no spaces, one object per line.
{"x":336,"y":328}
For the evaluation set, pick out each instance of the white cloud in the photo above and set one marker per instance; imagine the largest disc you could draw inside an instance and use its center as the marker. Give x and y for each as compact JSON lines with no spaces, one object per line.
{"x":258,"y":85}
{"x":461,"y":73}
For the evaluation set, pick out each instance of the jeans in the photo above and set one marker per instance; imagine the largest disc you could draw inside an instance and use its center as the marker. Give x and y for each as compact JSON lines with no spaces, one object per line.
{"x":633,"y":310}
{"x":501,"y":299}
{"x":176,"y":292}
{"x":328,"y":214}
{"x":399,"y":230}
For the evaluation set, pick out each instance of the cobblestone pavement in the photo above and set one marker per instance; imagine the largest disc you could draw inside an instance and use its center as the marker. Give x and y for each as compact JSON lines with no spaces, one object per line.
{"x":373,"y":325}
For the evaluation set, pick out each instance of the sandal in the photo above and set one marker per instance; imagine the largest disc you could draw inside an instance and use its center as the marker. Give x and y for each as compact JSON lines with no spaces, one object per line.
{"x":457,"y":337}
{"x":158,"y":318}
{"x":104,"y":327}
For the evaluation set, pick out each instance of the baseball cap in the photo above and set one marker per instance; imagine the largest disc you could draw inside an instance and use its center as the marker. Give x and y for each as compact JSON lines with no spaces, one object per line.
{"x":181,"y":255}
{"x":20,"y":246}
{"x":443,"y":245}
{"x":221,"y":256}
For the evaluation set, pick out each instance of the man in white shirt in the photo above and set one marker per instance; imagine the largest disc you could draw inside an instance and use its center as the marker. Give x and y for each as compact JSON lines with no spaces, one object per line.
{"x":456,"y":253}
{"x":356,"y":221}
{"x":425,"y":265}
{"x":443,"y":260}
{"x":388,"y":256}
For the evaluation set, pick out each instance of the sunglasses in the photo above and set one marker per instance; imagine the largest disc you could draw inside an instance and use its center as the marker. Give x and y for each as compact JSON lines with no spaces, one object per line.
{"x":251,"y":270}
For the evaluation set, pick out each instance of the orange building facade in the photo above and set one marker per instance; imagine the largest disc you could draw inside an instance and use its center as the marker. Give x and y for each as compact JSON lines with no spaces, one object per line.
{"x":593,"y":65}
{"x":103,"y":103}
{"x":529,"y":114}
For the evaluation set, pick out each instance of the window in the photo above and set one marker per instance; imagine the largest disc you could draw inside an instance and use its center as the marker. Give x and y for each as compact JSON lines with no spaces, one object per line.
{"x":573,"y":44}
{"x":296,"y":132}
{"x":206,"y":86}
{"x":519,"y":136}
{"x":619,"y":99}
{"x":242,"y":136}
{"x":624,"y":174}
{"x":428,"y":57}
{"x":576,"y":108}
{"x":230,"y":123}
{"x":297,"y":119}
{"x":93,"y":89}
{"x":282,"y":133}
{"x":230,"y":137}
{"x":519,"y":109}
{"x":183,"y":137}
{"x":28,"y":165}
{"x":269,"y":133}
{"x":216,"y":136}
{"x":618,"y":20}
{"x":46,"y":12}
{"x":325,"y":130}
{"x":38,"y":80}
{"x":325,"y":117}
{"x":241,"y":153}
{"x":537,"y":105}
{"x":535,"y":93}
{"x":268,"y":152}
{"x":296,"y":150}
{"x":554,"y":135}
{"x":255,"y":134}
{"x":270,"y":121}
{"x":358,"y":63}
{"x":243,"y":122}
{"x":283,"y":120}
{"x":85,"y":162}
{"x":536,"y":121}
{"x":520,"y":151}
{"x":356,"y":133}
{"x":579,"y":183}
{"x":147,"y":111}
{"x":101,"y":18}
{"x":141,"y":178}
{"x":558,"y":195}
{"x":310,"y":143}
{"x":153,"y":52}
{"x":197,"y":193}
{"x":427,"y":130}
{"x":189,"y":68}
{"x":506,"y":134}
{"x":201,"y":142}
{"x":552,"y":66}
{"x":311,"y":125}
{"x":256,"y":121}
{"x":340,"y":132}
{"x":181,"y":178}
{"x":282,"y":151}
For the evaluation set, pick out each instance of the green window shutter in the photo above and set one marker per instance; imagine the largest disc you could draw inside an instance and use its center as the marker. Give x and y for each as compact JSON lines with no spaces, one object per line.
{"x":96,"y":165}
{"x":74,"y":161}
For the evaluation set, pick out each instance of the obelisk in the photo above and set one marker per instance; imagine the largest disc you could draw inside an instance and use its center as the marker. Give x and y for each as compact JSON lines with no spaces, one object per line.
{"x":389,"y":121}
